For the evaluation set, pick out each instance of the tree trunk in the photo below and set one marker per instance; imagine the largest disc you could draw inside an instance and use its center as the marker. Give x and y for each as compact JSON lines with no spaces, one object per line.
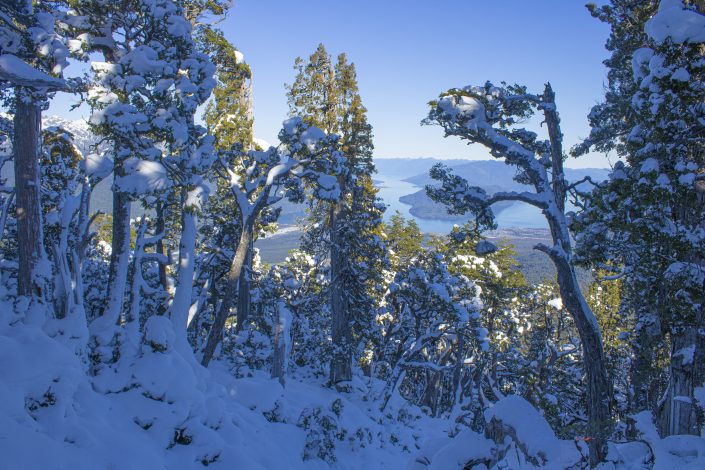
{"x":432,"y":390}
{"x":679,"y":410}
{"x":120,"y":255}
{"x":282,"y":341}
{"x":644,"y":349}
{"x":215,"y":335}
{"x":187,"y":264}
{"x":27,"y":124}
{"x":598,"y":387}
{"x":244,"y":298}
{"x":161,"y":228}
{"x":341,"y":361}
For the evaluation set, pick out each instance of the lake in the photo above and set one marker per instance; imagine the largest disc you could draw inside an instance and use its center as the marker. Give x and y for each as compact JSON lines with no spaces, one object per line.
{"x":518,"y":215}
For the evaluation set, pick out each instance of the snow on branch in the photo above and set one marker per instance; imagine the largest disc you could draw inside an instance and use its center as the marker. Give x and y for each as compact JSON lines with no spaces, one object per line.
{"x":18,"y":73}
{"x":489,"y":115}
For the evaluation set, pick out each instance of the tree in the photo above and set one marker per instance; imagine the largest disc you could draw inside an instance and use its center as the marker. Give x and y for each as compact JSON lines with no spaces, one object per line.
{"x":430,"y":326}
{"x":488,"y":115}
{"x":144,"y":100}
{"x":327,"y":96}
{"x":270,"y":176}
{"x":404,"y":240}
{"x":644,"y":221}
{"x":33,"y":55}
{"x":229,"y":118}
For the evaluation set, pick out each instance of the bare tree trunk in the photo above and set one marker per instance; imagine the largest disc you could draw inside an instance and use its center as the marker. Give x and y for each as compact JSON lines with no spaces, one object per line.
{"x":679,"y":411}
{"x":120,"y":255}
{"x":161,"y":228}
{"x":215,"y":335}
{"x":341,"y":361}
{"x":598,"y":386}
{"x":244,"y":298}
{"x":281,"y":343}
{"x":30,"y":237}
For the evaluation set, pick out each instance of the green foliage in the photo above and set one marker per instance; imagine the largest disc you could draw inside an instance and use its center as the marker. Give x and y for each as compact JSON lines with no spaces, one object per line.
{"x":404,"y":240}
{"x":327,"y":96}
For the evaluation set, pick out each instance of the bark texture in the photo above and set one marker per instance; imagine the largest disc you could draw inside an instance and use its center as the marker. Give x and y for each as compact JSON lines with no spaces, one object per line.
{"x":30,"y":248}
{"x":341,"y":361}
{"x":216,"y":332}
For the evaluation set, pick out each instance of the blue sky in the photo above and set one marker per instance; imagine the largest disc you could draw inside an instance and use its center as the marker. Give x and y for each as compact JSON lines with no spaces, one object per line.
{"x":408,"y":51}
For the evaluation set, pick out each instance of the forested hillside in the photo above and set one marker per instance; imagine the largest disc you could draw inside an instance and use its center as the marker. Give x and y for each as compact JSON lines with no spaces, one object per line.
{"x":151,"y":334}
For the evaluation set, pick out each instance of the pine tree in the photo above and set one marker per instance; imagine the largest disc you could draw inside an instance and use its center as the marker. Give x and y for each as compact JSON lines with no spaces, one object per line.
{"x":264,"y":179}
{"x":327,"y":96}
{"x":644,"y":221}
{"x":404,"y":240}
{"x":34,"y":53}
{"x":229,"y":118}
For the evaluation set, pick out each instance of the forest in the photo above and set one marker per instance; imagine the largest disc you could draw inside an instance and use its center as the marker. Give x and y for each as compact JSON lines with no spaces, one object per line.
{"x":154,"y":336}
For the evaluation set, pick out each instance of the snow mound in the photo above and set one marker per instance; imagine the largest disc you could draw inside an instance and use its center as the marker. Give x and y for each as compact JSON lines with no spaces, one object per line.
{"x":674,"y":22}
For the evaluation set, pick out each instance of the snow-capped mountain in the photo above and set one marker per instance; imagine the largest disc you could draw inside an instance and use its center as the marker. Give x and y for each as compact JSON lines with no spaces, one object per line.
{"x":83,"y":137}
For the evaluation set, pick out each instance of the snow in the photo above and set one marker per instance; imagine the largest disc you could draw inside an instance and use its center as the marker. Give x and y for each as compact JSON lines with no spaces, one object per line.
{"x":142,"y":177}
{"x":674,"y":22}
{"x":312,"y":136}
{"x":97,"y":165}
{"x":681,"y":452}
{"x":444,"y":455}
{"x":641,"y":57}
{"x":290,"y":125}
{"x":469,"y":109}
{"x":17,"y":71}
{"x":532,"y":431}
{"x":263,"y":144}
{"x":650,"y":165}
{"x":681,"y":75}
{"x":687,"y":353}
{"x":694,"y":272}
{"x":556,"y":303}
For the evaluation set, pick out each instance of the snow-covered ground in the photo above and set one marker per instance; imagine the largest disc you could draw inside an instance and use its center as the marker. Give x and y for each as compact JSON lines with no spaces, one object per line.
{"x":171,"y":413}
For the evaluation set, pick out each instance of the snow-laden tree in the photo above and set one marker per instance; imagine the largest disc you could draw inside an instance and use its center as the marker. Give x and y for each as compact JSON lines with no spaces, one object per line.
{"x":229,"y":118}
{"x":144,"y":101}
{"x":488,"y":115}
{"x":611,"y":122}
{"x":327,"y":96}
{"x":307,"y":156}
{"x":32,"y":56}
{"x":645,"y":222}
{"x":430,"y":329}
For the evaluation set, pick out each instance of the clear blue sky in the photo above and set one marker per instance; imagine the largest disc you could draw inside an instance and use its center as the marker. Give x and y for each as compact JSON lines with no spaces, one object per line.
{"x":408,"y":51}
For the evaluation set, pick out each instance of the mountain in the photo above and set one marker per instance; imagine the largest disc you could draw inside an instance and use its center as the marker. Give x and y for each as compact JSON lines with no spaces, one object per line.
{"x":485,"y":173}
{"x":84,"y":139}
{"x":424,"y":208}
{"x":401,"y":168}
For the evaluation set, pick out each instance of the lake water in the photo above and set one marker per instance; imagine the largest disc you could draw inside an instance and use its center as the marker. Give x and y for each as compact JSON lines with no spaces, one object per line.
{"x":518,"y":215}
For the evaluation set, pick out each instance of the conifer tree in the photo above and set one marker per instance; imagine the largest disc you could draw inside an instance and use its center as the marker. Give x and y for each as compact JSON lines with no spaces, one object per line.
{"x":643,"y":223}
{"x":34,"y":54}
{"x":327,"y":95}
{"x":229,"y":118}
